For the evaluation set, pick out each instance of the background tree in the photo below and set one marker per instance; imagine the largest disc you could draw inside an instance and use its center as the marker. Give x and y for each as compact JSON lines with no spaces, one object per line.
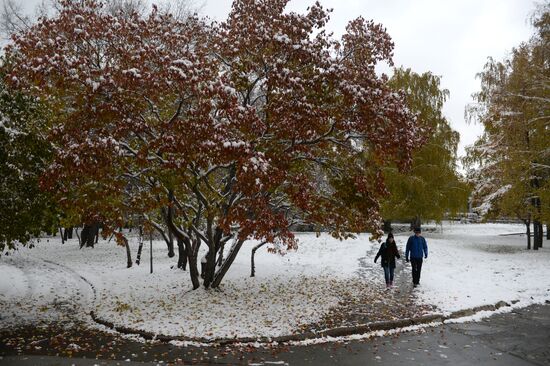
{"x":509,"y":163}
{"x":217,"y":130}
{"x":24,"y":154}
{"x":432,"y":187}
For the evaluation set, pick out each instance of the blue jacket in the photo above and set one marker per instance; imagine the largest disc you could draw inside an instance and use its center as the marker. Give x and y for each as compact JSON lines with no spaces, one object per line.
{"x":416,"y":245}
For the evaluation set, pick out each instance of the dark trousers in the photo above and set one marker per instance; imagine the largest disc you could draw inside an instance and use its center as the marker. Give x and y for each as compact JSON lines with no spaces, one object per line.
{"x":388,"y":274}
{"x":416,"y":264}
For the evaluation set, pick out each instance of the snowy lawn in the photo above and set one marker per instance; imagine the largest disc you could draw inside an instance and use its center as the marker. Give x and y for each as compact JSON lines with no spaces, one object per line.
{"x":468,"y":265}
{"x":288,"y":291}
{"x":472,"y":265}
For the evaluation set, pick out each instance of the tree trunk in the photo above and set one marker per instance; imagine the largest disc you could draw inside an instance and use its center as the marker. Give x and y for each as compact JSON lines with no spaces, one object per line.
{"x":182,"y":255}
{"x":150,"y":252}
{"x":62,"y":235}
{"x":539,"y":234}
{"x":416,"y":222}
{"x":96,"y":227}
{"x":536,"y":234}
{"x":140,"y":247}
{"x":87,"y":236}
{"x":220,"y":255}
{"x":191,"y":245}
{"x":168,"y":239}
{"x":210,"y":267}
{"x":547,"y":231}
{"x":67,"y":233}
{"x":170,"y":244}
{"x":252,"y":266}
{"x":84,"y":236}
{"x":528,"y":233}
{"x":387,"y":226}
{"x":194,"y":272}
{"x":128,"y":254}
{"x":227,"y":263}
{"x":79,"y":238}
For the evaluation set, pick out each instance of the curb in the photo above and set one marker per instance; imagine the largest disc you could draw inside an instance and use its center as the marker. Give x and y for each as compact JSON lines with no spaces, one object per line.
{"x":333,"y":332}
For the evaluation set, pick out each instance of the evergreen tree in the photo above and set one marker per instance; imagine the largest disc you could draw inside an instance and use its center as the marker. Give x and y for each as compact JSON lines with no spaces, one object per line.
{"x":24,"y":154}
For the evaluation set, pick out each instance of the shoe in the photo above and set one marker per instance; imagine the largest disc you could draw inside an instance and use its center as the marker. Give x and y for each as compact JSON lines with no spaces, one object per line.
{"x":415,"y":285}
{"x":391,"y":284}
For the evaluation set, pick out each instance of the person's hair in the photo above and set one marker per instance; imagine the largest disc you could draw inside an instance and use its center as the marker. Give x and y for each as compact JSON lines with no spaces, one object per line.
{"x":390,"y":235}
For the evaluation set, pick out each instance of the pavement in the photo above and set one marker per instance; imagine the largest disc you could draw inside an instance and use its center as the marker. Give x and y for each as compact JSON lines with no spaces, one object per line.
{"x":521,"y":337}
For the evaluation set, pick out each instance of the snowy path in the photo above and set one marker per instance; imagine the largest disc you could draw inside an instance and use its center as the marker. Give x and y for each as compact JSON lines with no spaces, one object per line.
{"x":373,"y":302}
{"x":374,"y":274}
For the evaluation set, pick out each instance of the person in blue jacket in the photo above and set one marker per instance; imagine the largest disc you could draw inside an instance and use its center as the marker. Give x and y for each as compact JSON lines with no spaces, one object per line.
{"x":417,"y":248}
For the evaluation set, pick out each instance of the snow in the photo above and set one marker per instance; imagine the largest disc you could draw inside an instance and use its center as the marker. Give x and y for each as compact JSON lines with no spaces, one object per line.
{"x":468,"y":265}
{"x":13,"y":283}
{"x":133,"y":71}
{"x":287,"y":292}
{"x":235,"y":144}
{"x":488,"y":201}
{"x":178,"y":71}
{"x":11,"y":132}
{"x":184,"y":62}
{"x":473,"y":265}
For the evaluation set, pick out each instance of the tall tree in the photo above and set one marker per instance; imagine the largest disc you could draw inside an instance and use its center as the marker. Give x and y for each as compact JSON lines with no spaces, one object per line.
{"x":24,"y":154}
{"x":226,"y":126}
{"x":432,"y":188}
{"x":510,"y":162}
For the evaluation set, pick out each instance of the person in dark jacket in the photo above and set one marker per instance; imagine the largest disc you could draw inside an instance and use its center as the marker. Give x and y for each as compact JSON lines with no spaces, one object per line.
{"x":388,"y":251}
{"x":418,"y":248}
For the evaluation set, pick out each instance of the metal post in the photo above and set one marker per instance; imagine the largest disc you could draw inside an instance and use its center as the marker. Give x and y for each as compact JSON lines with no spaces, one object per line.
{"x":151,"y":250}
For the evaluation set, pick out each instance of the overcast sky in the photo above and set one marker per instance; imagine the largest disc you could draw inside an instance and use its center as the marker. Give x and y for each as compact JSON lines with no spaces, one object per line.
{"x":451,"y":38}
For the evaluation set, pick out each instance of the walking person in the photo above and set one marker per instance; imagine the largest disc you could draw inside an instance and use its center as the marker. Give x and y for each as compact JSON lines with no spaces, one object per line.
{"x":388,"y":251}
{"x":417,"y":248}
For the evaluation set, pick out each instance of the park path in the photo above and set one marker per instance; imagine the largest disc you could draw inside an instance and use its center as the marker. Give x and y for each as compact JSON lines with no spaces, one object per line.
{"x":375,"y":303}
{"x":385,"y":302}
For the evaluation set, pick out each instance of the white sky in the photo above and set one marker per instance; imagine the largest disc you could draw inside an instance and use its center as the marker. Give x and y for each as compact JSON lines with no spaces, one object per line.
{"x":451,"y":38}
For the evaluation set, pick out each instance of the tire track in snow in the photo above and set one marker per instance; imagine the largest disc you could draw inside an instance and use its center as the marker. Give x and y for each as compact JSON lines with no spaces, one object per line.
{"x":76,"y":274}
{"x":54,"y":292}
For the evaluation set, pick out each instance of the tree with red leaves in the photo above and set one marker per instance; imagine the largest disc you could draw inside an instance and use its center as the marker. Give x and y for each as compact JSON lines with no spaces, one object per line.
{"x":222,"y":133}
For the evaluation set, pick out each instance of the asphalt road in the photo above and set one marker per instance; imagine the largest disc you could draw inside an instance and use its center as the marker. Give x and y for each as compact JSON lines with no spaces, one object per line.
{"x":518,"y":338}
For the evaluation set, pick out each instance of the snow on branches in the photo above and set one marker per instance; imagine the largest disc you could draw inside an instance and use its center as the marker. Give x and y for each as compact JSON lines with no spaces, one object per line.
{"x":221,"y":131}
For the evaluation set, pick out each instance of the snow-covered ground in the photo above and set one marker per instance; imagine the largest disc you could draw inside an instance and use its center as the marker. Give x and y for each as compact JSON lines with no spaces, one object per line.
{"x":468,"y":265}
{"x":287,"y":292}
{"x":475,"y":264}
